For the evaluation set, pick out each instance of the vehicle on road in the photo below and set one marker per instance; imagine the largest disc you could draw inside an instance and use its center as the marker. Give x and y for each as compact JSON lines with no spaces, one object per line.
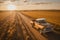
{"x":42,"y":25}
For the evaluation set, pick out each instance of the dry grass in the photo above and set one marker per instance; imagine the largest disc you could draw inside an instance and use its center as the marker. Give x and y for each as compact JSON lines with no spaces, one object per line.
{"x":52,"y":16}
{"x":3,"y":14}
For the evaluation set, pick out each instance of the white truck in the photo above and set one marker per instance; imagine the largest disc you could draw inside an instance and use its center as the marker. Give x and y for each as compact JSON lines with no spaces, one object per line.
{"x":42,"y":25}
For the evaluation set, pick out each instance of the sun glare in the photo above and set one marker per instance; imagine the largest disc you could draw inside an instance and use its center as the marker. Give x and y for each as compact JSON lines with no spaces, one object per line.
{"x":11,"y":7}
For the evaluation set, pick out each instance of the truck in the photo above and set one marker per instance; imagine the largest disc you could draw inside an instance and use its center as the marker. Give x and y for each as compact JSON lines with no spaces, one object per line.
{"x":42,"y":25}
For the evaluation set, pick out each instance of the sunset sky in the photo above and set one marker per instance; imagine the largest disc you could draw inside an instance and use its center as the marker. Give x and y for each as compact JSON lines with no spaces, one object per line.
{"x":31,"y":4}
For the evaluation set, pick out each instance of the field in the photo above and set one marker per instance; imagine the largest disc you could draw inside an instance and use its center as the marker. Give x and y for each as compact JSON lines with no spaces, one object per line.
{"x":52,"y":16}
{"x":4,"y":14}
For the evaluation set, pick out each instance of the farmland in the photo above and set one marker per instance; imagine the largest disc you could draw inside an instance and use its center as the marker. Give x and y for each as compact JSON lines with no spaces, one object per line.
{"x":52,"y":16}
{"x":4,"y":14}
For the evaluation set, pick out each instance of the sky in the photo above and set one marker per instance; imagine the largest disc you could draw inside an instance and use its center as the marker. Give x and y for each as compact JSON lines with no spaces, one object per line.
{"x":45,"y":0}
{"x":31,"y":4}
